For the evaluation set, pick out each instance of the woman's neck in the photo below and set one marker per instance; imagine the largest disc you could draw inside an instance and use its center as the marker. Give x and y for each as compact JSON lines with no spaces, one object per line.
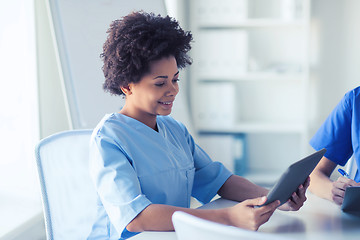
{"x":147,"y":119}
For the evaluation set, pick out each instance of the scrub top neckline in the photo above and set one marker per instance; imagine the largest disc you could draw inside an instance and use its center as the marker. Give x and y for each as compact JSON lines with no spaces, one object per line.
{"x":140,"y":125}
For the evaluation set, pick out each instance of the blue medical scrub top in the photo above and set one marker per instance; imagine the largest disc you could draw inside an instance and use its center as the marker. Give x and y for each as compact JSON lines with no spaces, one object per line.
{"x":340,"y":133}
{"x":133,"y":166}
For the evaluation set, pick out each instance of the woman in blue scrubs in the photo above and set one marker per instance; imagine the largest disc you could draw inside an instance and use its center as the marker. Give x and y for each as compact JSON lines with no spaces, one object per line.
{"x":145,"y":165}
{"x":340,"y":135}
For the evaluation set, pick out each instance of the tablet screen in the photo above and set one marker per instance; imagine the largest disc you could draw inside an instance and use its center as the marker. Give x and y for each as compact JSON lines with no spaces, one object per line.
{"x":294,"y":175}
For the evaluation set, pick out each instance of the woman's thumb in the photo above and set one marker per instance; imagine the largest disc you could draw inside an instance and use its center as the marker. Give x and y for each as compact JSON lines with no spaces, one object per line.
{"x":261,"y":200}
{"x":257,"y":201}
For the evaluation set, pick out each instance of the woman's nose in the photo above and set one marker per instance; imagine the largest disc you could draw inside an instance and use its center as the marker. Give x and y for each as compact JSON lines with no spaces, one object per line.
{"x":173,"y":89}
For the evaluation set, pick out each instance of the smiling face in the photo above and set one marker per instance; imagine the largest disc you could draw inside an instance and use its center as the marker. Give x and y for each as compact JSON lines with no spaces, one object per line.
{"x":154,"y":94}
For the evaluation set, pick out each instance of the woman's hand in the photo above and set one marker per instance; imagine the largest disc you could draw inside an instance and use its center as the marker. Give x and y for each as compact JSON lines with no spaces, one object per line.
{"x":297,"y":198}
{"x":338,"y":189}
{"x":248,"y":216}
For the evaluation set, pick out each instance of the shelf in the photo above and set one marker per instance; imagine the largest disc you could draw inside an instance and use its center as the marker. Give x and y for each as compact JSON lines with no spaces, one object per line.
{"x":259,"y":23}
{"x":254,"y":128}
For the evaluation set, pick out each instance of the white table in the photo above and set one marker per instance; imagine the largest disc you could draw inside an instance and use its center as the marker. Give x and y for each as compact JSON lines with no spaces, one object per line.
{"x":318,"y":219}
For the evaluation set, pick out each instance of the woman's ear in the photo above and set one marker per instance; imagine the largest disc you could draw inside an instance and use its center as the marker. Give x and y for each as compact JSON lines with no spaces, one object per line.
{"x":126,"y":90}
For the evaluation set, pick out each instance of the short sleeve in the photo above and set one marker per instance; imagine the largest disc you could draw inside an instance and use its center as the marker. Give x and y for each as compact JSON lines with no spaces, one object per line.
{"x":335,"y":133}
{"x":208,"y":177}
{"x":115,"y":181}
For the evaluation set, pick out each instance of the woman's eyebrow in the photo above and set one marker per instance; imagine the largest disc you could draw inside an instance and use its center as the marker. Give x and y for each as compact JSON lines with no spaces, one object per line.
{"x":160,"y":77}
{"x":165,"y":76}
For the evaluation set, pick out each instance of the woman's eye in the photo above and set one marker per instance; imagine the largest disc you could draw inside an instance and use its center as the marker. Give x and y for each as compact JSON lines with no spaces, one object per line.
{"x":176,"y":80}
{"x":159,"y":84}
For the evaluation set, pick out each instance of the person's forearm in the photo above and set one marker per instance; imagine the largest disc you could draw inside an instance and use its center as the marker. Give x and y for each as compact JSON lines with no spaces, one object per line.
{"x":157,"y":217}
{"x":239,"y":189}
{"x":321,"y":185}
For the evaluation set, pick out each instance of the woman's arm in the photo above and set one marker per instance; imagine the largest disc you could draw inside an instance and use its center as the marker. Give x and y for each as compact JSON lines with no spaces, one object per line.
{"x":157,"y":217}
{"x":321,"y":184}
{"x":237,"y":188}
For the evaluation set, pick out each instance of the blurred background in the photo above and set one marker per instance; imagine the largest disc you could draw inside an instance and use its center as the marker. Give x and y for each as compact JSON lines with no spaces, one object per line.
{"x":265,"y":75}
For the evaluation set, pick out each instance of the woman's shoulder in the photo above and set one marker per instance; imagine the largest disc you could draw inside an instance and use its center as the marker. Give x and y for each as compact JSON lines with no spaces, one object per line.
{"x":109,"y":122}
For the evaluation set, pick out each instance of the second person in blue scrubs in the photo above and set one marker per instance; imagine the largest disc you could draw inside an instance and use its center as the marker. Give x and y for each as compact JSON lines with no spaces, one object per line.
{"x":340,"y":135}
{"x":145,"y":165}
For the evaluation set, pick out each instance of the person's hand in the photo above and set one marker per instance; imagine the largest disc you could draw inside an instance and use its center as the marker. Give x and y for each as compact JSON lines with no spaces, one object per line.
{"x":338,"y":188}
{"x":297,"y":199}
{"x":248,"y":216}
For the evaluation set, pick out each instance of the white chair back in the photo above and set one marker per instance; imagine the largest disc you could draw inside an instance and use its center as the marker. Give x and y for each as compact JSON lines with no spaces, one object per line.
{"x":68,"y":195}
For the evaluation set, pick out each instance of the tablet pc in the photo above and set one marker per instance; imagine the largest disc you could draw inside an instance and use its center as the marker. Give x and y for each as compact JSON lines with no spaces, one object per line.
{"x":294,"y":175}
{"x":351,"y":201}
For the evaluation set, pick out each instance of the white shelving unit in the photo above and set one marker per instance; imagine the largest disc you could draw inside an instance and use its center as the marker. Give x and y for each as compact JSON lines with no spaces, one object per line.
{"x":250,"y":76}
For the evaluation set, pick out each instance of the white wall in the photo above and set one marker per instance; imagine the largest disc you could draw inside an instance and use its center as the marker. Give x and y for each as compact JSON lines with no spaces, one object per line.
{"x":336,"y":53}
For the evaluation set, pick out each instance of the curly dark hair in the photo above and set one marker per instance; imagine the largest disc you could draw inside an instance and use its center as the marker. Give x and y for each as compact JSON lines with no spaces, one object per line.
{"x":137,"y":39}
